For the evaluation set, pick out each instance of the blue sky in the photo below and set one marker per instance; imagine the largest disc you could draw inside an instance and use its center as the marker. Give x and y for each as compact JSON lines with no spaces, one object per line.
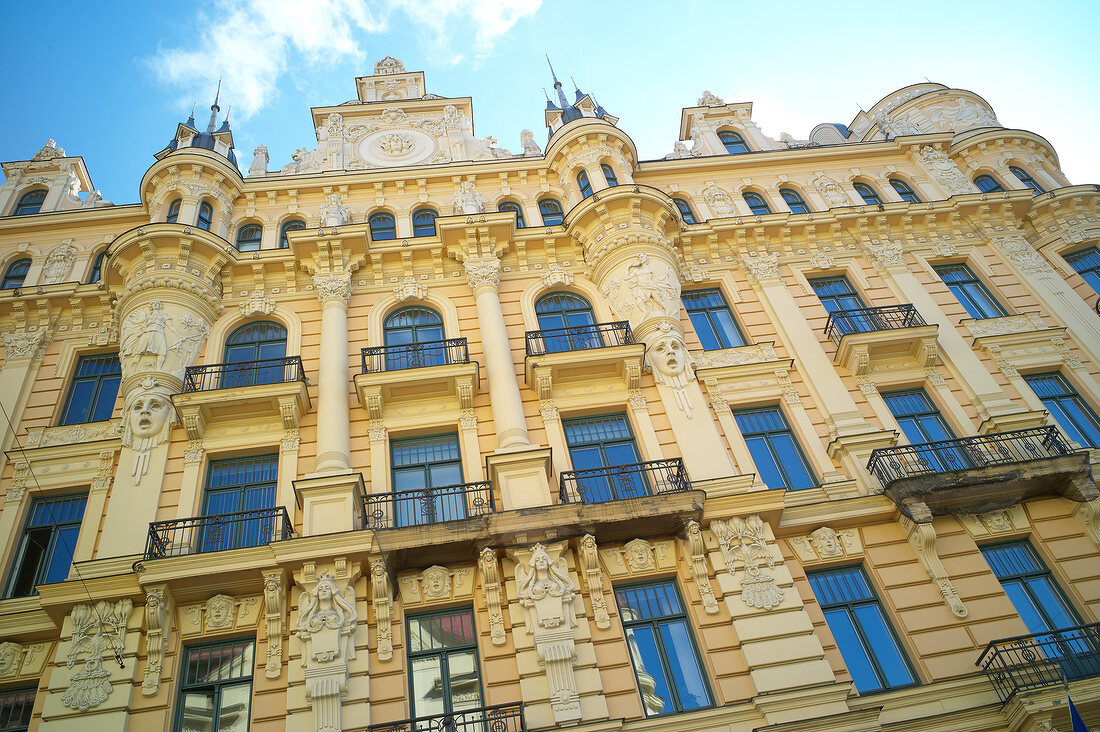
{"x":110,"y":81}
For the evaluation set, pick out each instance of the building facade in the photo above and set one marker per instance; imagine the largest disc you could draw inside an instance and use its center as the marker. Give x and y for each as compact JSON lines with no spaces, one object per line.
{"x":418,"y":433}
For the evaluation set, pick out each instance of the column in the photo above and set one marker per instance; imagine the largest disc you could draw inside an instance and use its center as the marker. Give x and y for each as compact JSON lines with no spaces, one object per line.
{"x":22,"y":354}
{"x":333,"y":408}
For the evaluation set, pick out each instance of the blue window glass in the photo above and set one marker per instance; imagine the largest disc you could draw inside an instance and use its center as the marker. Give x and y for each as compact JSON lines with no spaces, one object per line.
{"x":15,"y":274}
{"x":444,"y":673}
{"x":603,"y":442}
{"x":238,"y":485}
{"x":869,"y":195}
{"x":662,"y":650}
{"x":1068,"y":408}
{"x":513,"y":206}
{"x":412,"y":336}
{"x":173,"y":211}
{"x":988,"y":184}
{"x":206,"y":216}
{"x":258,"y":341}
{"x":419,"y":465}
{"x":93,"y":390}
{"x":904,"y":190}
{"x":16,"y":708}
{"x":609,"y":175}
{"x":921,"y":422}
{"x":1026,"y":179}
{"x":566,"y":310}
{"x":216,"y":688}
{"x":45,"y":551}
{"x":867,"y":643}
{"x":382,"y":227}
{"x":551,"y":212}
{"x":584,"y":184}
{"x":249,"y":237}
{"x":970,"y":291}
{"x":1087,"y":264}
{"x":30,"y":203}
{"x":685,"y":211}
{"x":836,"y":293}
{"x":423,"y":221}
{"x":757,"y":204}
{"x":292,"y":225}
{"x":1030,"y":586}
{"x":794,"y":201}
{"x":773,"y":448}
{"x":97,"y":267}
{"x":712,"y":319}
{"x":733,"y":142}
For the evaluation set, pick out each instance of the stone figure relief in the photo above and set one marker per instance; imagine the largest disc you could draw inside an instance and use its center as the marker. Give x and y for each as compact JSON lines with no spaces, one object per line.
{"x":158,"y":625}
{"x":396,"y":144}
{"x":944,"y":170}
{"x":326,"y":625}
{"x":680,"y":150}
{"x":709,"y":100}
{"x":530,"y":147}
{"x":334,"y":212}
{"x":221,"y":612}
{"x":639,"y":555}
{"x":744,"y":543}
{"x":960,"y":115}
{"x":593,"y":580}
{"x":389,"y":65}
{"x":644,"y":288}
{"x":382,"y":600}
{"x":59,"y":263}
{"x":493,"y":589}
{"x":697,"y":556}
{"x":146,"y":422}
{"x":891,"y":126}
{"x":275,"y":620}
{"x":826,"y":543}
{"x":830,"y":189}
{"x":466,"y":200}
{"x":151,"y":341}
{"x":718,"y":200}
{"x":260,"y":159}
{"x":11,"y":657}
{"x":436,"y":582}
{"x":49,"y":151}
{"x":96,"y":629}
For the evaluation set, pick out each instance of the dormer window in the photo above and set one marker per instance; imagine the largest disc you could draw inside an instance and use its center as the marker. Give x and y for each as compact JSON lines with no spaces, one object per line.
{"x":30,"y":203}
{"x":733,"y":142}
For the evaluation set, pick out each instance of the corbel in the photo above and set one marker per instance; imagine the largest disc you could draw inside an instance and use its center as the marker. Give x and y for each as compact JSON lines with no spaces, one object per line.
{"x":1088,"y":513}
{"x":492,"y":587}
{"x":593,"y":580}
{"x":923,"y":538}
{"x":697,"y":553}
{"x":275,"y":620}
{"x":158,"y":624}
{"x":382,"y":600}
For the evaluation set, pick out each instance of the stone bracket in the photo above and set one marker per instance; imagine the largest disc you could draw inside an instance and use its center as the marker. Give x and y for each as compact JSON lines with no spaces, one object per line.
{"x":923,"y":538}
{"x":275,"y":620}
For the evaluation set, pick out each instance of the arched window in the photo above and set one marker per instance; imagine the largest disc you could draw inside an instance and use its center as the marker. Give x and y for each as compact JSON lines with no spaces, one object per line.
{"x":551,"y":212}
{"x":248,"y":237}
{"x":685,"y":211}
{"x":424,"y":222}
{"x":382,"y":227}
{"x":794,"y":201}
{"x":412,"y":338}
{"x":1026,"y":179}
{"x":609,"y":175}
{"x":97,"y":267}
{"x":904,"y":190}
{"x":757,"y":204}
{"x":569,"y":319}
{"x":292,"y":225}
{"x":868,"y":194}
{"x":513,"y":206}
{"x":262,"y":346}
{"x":988,"y":184}
{"x":15,"y":274}
{"x":585,"y":186}
{"x":206,"y":216}
{"x":30,"y":203}
{"x":734,"y":143}
{"x":173,"y":211}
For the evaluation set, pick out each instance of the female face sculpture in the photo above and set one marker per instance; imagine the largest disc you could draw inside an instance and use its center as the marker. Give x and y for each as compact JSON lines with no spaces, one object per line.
{"x":147,"y":414}
{"x":668,"y":357}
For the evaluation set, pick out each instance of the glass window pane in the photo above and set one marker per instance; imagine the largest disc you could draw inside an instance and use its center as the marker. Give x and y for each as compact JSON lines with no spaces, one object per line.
{"x":61,"y":558}
{"x":197,"y":712}
{"x":1050,"y":600}
{"x":791,"y":461}
{"x":465,"y":680}
{"x":656,"y":697}
{"x":886,"y":649}
{"x":857,"y":656}
{"x":684,"y":666}
{"x":233,"y":713}
{"x":1025,"y":606}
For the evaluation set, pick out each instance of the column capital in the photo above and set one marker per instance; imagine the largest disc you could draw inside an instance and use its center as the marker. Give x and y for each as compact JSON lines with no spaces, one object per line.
{"x":483,"y":272}
{"x":333,"y":286}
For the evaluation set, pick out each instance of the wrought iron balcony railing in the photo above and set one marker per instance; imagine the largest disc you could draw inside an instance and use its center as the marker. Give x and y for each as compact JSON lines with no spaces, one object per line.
{"x":889,"y":464}
{"x":415,"y":355}
{"x":869,"y":320}
{"x":427,"y":505}
{"x":1042,"y":659}
{"x":499,"y":718}
{"x":597,"y":485}
{"x":579,"y":338}
{"x":201,"y":534}
{"x":247,"y":373}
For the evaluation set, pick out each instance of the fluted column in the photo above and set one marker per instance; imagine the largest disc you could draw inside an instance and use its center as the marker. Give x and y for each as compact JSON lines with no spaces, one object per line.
{"x":483,"y":274}
{"x":333,"y":409}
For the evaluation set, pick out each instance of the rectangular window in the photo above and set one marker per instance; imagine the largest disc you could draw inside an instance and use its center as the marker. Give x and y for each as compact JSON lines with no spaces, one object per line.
{"x":867,"y":643}
{"x":773,"y":448}
{"x":604,"y":442}
{"x":970,"y":291}
{"x":45,"y":552}
{"x":712,"y":319}
{"x":1030,"y":586}
{"x":238,"y":486}
{"x":838,"y":296}
{"x":1069,"y":409}
{"x":216,"y":688}
{"x":666,"y":661}
{"x":1087,"y":264}
{"x":921,"y":423}
{"x":421,"y":466}
{"x":16,"y":706}
{"x":93,"y":390}
{"x":444,"y":674}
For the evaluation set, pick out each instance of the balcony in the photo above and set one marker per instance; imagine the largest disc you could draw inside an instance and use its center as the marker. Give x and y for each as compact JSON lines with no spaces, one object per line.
{"x":499,"y":718}
{"x":620,"y":482}
{"x":417,"y":372}
{"x":984,"y":473}
{"x":202,"y":534}
{"x":568,"y":361}
{"x":883,"y":334}
{"x":228,"y":392}
{"x":1042,"y":659}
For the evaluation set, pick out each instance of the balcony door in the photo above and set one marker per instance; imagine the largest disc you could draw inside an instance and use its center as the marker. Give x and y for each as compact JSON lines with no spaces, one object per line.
{"x":444,"y":673}
{"x":598,"y":445}
{"x":837,"y":295}
{"x":570,"y":319}
{"x":921,"y":423}
{"x":261,"y":341}
{"x":412,"y":337}
{"x":427,"y":473}
{"x":236,"y":489}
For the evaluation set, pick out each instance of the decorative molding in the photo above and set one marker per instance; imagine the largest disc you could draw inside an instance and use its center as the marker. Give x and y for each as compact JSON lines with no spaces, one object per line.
{"x":158,"y":625}
{"x":25,"y":344}
{"x":760,"y":267}
{"x":193,"y":452}
{"x":1007,"y":325}
{"x":291,"y":440}
{"x":492,"y":588}
{"x":11,"y":658}
{"x":257,"y":305}
{"x":555,"y":275}
{"x":631,"y":558}
{"x":830,"y":190}
{"x":410,"y":289}
{"x":482,"y":273}
{"x":221,"y":613}
{"x":333,"y":211}
{"x":738,"y":356}
{"x":71,"y":435}
{"x":59,"y":263}
{"x":333,"y":287}
{"x":96,"y":629}
{"x":382,"y":602}
{"x":1010,"y":520}
{"x":1088,"y":513}
{"x":944,"y":171}
{"x":886,"y":253}
{"x":744,"y":543}
{"x":466,"y":200}
{"x":923,"y":538}
{"x":718,"y":200}
{"x":593,"y":580}
{"x":436,"y":584}
{"x":274,"y":619}
{"x":697,"y":552}
{"x":18,"y":485}
{"x":824,"y":544}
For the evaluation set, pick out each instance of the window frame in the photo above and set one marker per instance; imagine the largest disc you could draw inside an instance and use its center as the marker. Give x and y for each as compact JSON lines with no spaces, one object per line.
{"x":814,"y":480}
{"x":584,"y":183}
{"x":420,"y":229}
{"x":249,"y":228}
{"x":719,"y":333}
{"x":246,"y":533}
{"x":97,"y":268}
{"x":969,"y":303}
{"x":380,"y":231}
{"x":1043,"y":572}
{"x":442,"y":654}
{"x":8,"y":282}
{"x":980,"y":182}
{"x":289,"y":225}
{"x":97,"y":390}
{"x":46,"y":560}
{"x":731,"y":139}
{"x":867,"y":192}
{"x":686,"y":212}
{"x":184,"y":688}
{"x":205,"y":218}
{"x":787,"y":194}
{"x":904,"y":190}
{"x":609,"y":176}
{"x":37,"y":204}
{"x":173,"y":215}
{"x":1072,"y":396}
{"x":1090,"y":274}
{"x":516,"y":208}
{"x":12,"y":694}
{"x":548,"y":205}
{"x":761,"y":207}
{"x":1024,"y":177}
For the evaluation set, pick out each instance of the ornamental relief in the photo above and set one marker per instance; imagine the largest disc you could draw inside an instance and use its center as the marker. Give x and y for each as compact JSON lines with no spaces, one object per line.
{"x":825,"y":544}
{"x":97,"y":630}
{"x":436,"y":584}
{"x":19,"y":660}
{"x":639,"y":557}
{"x":221,"y":613}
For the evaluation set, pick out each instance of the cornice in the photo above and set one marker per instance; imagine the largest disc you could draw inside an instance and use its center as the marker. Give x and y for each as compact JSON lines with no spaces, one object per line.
{"x":11,"y":225}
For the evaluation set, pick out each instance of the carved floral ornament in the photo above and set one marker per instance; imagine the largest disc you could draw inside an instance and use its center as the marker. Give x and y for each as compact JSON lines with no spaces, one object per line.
{"x":59,"y":263}
{"x":333,"y":287}
{"x":944,"y":170}
{"x":26,"y":343}
{"x":745,"y":547}
{"x":97,"y":629}
{"x":483,"y":272}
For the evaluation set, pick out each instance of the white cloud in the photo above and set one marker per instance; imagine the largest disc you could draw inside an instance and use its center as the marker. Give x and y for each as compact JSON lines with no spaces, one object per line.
{"x":248,"y":44}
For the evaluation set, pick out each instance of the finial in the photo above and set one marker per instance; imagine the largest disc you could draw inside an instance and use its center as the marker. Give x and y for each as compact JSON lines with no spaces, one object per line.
{"x":556,"y":82}
{"x":217,"y":95}
{"x":193,"y":105}
{"x":575,"y":87}
{"x":227,"y":113}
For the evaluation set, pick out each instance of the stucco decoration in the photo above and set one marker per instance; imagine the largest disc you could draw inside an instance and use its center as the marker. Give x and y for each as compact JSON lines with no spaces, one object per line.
{"x":11,"y":657}
{"x":97,"y":629}
{"x":275,"y":620}
{"x":718,"y":200}
{"x":49,"y":151}
{"x":643,"y":287}
{"x":709,"y":100}
{"x":410,"y":289}
{"x":326,"y":625}
{"x":257,"y":305}
{"x":389,"y":65}
{"x":593,"y":580}
{"x":260,"y":159}
{"x":555,"y":274}
{"x":146,"y":422}
{"x":151,"y":339}
{"x":639,"y":555}
{"x":382,"y":600}
{"x":466,"y":200}
{"x":334,"y":212}
{"x":891,"y":126}
{"x":944,"y":170}
{"x":923,"y":538}
{"x":546,"y":593}
{"x":1023,"y":255}
{"x":25,"y":343}
{"x":59,"y":263}
{"x":680,"y":150}
{"x":530,"y":147}
{"x":1010,"y":520}
{"x":221,"y":612}
{"x":335,"y":286}
{"x":744,"y":544}
{"x":493,"y":589}
{"x":697,"y":555}
{"x":1007,"y":325}
{"x":483,"y":272}
{"x":830,"y":190}
{"x":824,"y":544}
{"x":960,"y":115}
{"x":886,"y":253}
{"x":761,"y":267}
{"x":158,"y":626}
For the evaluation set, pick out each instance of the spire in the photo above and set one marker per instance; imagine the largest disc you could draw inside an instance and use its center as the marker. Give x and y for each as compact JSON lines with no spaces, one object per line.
{"x":191,"y":119}
{"x":579,"y":93}
{"x":557,"y":85}
{"x":549,"y":104}
{"x":214,"y":109}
